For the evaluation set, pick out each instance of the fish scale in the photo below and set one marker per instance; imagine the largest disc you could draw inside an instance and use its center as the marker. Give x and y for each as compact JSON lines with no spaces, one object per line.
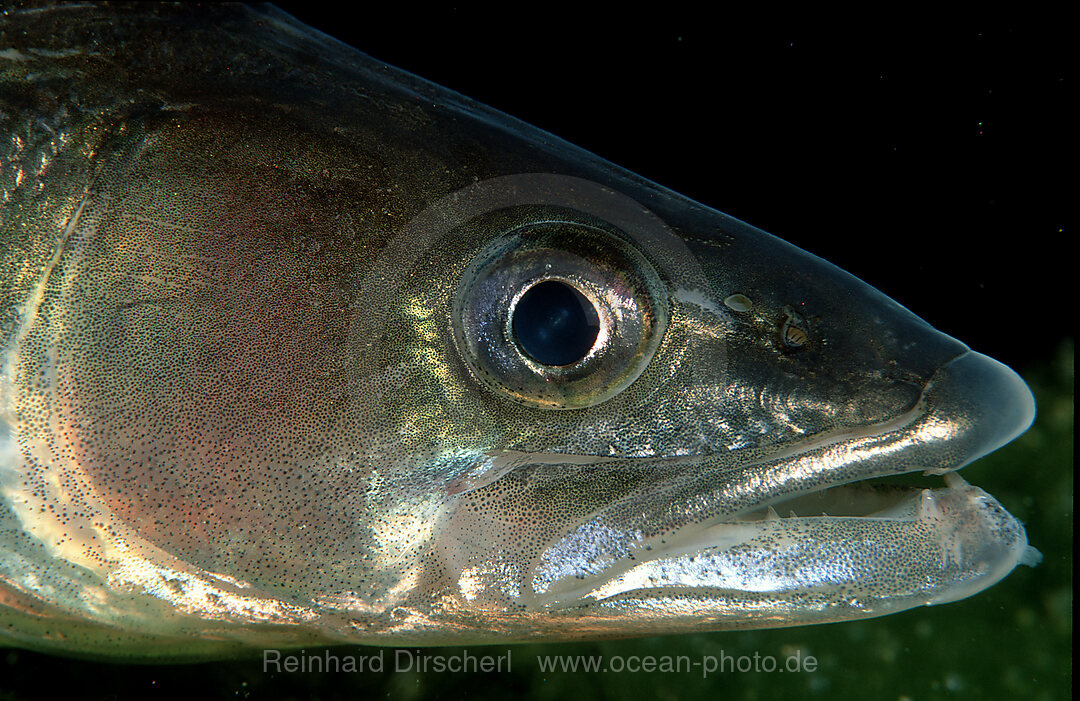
{"x":260,"y":366}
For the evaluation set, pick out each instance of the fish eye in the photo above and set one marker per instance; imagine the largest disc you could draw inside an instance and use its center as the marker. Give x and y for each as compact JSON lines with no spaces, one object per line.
{"x":559,"y":315}
{"x":554,"y":323}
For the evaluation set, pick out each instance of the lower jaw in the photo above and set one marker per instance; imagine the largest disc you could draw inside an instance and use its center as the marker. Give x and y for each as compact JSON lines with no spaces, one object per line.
{"x":870,"y":548}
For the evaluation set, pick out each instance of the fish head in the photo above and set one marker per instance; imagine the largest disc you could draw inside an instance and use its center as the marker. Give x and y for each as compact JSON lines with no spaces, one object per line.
{"x":300,"y":349}
{"x":635,"y":484}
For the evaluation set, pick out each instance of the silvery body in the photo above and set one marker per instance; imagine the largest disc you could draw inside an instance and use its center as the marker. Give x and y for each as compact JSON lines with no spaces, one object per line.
{"x":264,"y":378}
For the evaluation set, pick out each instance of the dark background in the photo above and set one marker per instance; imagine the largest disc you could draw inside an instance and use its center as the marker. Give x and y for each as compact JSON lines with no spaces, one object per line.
{"x":926,"y":158}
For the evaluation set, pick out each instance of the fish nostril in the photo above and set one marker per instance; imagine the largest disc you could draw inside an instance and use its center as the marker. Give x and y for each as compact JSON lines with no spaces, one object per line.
{"x":554,"y":323}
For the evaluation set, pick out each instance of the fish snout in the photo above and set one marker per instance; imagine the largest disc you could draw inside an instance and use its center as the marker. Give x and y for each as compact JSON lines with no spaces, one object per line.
{"x":976,"y":405}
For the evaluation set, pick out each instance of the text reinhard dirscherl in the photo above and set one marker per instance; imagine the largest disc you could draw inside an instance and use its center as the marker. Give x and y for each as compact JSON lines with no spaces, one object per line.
{"x":401,"y":660}
{"x":464,"y":661}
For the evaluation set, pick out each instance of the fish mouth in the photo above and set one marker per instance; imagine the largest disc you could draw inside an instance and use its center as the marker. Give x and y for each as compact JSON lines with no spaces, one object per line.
{"x":811,"y":535}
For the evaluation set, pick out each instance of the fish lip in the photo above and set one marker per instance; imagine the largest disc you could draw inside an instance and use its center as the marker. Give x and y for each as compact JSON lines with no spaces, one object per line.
{"x":971,"y":406}
{"x":992,"y":404}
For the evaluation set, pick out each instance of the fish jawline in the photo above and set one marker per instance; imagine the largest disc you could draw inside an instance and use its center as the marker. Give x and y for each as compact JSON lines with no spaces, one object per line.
{"x":955,"y":541}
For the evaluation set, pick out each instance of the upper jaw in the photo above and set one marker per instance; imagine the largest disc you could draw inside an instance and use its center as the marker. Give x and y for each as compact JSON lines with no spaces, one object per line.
{"x":724,"y":533}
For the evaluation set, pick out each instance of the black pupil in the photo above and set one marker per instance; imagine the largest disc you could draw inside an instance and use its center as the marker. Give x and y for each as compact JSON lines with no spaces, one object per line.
{"x":554,"y":323}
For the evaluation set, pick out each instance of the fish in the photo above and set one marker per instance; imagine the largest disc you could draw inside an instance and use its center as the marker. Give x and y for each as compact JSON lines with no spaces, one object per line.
{"x":299,"y":349}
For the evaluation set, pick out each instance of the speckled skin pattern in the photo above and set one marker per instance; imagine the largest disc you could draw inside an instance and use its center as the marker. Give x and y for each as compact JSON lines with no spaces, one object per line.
{"x":258,"y":387}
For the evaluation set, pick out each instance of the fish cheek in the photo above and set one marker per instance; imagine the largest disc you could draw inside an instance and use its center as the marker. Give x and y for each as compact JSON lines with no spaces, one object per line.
{"x":489,"y":542}
{"x":188,"y":354}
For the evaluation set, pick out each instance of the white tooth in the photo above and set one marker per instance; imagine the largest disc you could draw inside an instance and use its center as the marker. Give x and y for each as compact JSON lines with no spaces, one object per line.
{"x":771,"y":515}
{"x":953,"y":480}
{"x":928,"y":506}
